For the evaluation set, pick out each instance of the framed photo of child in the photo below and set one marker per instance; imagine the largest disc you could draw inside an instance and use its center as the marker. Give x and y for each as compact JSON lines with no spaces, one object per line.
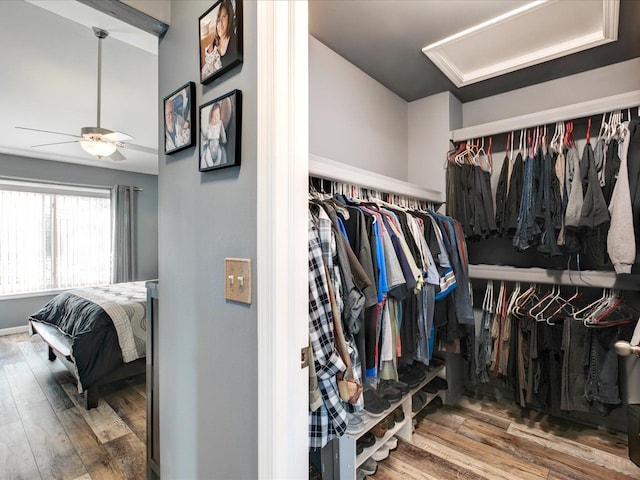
{"x":180,"y":119}
{"x":220,"y":132}
{"x":220,"y":39}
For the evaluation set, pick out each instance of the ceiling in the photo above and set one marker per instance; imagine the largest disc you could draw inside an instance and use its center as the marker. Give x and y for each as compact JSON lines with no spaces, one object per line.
{"x":385,"y":40}
{"x":49,"y":82}
{"x":49,"y":58}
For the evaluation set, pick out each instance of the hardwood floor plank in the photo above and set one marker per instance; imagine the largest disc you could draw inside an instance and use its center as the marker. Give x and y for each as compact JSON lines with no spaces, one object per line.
{"x":577,"y":449}
{"x":404,"y":463}
{"x":93,"y":454}
{"x":447,"y":417}
{"x":131,"y":407}
{"x":562,"y":464}
{"x":51,"y":447}
{"x":510,"y":461}
{"x":130,"y":456}
{"x":467,"y":409}
{"x":9,"y":352}
{"x":15,"y":453}
{"x":401,"y":469}
{"x":48,"y":383}
{"x":8,"y":411}
{"x":480,"y":462}
{"x":141,"y":389}
{"x":430,"y":461}
{"x":23,"y":384}
{"x":104,"y":422}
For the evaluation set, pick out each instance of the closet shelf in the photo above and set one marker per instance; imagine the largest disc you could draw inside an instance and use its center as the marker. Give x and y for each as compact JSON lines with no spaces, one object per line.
{"x":567,"y":112}
{"x":586,"y":278}
{"x":321,"y":167}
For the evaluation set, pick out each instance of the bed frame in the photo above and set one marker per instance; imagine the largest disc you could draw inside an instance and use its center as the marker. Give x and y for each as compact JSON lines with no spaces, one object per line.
{"x":60,"y":347}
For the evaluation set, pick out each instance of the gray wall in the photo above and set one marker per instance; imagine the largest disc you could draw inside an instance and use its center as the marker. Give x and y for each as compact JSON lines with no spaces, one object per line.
{"x":353,"y":119}
{"x":208,"y":346}
{"x":14,"y":312}
{"x":593,"y":84}
{"x":429,"y":121}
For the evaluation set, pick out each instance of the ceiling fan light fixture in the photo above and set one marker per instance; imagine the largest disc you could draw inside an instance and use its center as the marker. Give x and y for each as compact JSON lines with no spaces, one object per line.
{"x":98,"y":148}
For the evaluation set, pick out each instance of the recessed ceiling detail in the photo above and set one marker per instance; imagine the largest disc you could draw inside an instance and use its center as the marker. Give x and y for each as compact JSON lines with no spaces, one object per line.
{"x":515,"y":40}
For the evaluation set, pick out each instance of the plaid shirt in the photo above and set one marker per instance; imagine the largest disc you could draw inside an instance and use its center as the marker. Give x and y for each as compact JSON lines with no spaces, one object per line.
{"x":330,"y":420}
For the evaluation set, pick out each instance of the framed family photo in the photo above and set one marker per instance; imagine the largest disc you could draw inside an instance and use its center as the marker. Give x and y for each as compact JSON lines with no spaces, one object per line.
{"x":220,"y":39}
{"x":220,"y":132}
{"x":179,"y":119}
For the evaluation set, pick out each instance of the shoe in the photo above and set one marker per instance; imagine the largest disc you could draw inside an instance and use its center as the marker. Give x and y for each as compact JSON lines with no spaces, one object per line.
{"x":398,"y":415}
{"x":369,"y":466}
{"x":360,"y":475}
{"x":389,"y":393}
{"x":367,"y":440}
{"x":314,"y":474}
{"x":430,"y":388}
{"x":390,"y":421}
{"x":379,"y":430}
{"x":418,"y":401}
{"x":440,"y":383}
{"x":373,"y":404}
{"x":402,"y":387}
{"x":355,"y":424}
{"x":380,"y":454}
{"x":391,"y":444}
{"x":359,"y":448}
{"x":434,"y":405}
{"x":360,"y":413}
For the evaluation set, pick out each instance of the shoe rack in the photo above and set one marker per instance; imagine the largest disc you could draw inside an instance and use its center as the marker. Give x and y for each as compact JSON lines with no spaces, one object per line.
{"x":346,"y":455}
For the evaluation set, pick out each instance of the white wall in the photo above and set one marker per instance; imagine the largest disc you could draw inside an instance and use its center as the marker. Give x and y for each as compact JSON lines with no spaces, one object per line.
{"x":601,"y":82}
{"x":430,"y":120}
{"x":354,"y":119}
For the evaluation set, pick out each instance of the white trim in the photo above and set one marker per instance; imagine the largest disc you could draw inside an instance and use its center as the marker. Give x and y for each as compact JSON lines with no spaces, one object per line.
{"x":586,"y":278}
{"x":567,"y":112}
{"x":606,"y":32}
{"x":331,"y":170}
{"x":281,"y":263}
{"x":14,"y":330}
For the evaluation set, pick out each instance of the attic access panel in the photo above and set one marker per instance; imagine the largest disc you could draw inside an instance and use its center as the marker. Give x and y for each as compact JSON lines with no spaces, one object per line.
{"x":537,"y":32}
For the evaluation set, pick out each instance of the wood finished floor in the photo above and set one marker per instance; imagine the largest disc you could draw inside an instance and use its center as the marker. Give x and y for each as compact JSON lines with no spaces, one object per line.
{"x":45,"y":433}
{"x":484,"y":439}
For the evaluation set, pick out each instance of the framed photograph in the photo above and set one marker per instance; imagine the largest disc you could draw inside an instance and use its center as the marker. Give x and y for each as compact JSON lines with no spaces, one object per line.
{"x":220,"y":39}
{"x":220,"y":122}
{"x":180,"y":119}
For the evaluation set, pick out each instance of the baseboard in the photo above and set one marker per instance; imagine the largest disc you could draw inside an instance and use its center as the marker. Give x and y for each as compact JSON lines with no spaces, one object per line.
{"x":14,"y":330}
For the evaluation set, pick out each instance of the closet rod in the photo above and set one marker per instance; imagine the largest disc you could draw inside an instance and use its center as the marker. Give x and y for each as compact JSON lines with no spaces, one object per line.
{"x":559,"y":114}
{"x":586,"y":278}
{"x":327,"y":169}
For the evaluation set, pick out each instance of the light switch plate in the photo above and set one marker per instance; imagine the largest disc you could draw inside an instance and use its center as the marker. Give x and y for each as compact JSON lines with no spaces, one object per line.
{"x":237,"y":279}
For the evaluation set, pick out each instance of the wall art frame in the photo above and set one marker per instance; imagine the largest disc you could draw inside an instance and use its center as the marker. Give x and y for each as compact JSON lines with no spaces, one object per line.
{"x":220,"y":132}
{"x":220,"y":39}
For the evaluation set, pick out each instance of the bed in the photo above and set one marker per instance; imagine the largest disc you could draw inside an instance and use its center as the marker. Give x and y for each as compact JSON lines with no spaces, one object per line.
{"x":99,"y":334}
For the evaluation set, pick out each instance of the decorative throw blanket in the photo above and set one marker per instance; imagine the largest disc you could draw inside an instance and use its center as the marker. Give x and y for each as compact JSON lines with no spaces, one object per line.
{"x":106,"y":324}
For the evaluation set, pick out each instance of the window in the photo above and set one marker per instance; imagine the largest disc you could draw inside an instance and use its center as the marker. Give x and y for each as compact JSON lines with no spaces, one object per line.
{"x":53,"y":237}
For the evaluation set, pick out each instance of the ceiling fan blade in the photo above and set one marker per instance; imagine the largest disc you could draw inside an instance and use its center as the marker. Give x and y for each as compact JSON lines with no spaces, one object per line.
{"x":117,"y":156}
{"x":48,"y":131}
{"x":56,"y":143}
{"x":140,"y":148}
{"x":117,"y":137}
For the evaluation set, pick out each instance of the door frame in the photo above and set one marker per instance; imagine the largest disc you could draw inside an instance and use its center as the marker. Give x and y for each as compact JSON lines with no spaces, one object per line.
{"x":282,"y":238}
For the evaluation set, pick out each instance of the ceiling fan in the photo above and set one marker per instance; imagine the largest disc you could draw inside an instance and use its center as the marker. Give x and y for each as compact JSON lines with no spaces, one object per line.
{"x":98,"y":141}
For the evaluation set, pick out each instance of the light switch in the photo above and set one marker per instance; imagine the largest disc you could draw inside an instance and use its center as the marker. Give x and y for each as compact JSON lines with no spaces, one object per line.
{"x":237,"y":277}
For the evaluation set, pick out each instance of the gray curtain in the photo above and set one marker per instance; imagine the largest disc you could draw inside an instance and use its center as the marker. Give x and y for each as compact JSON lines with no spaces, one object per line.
{"x":123,"y":229}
